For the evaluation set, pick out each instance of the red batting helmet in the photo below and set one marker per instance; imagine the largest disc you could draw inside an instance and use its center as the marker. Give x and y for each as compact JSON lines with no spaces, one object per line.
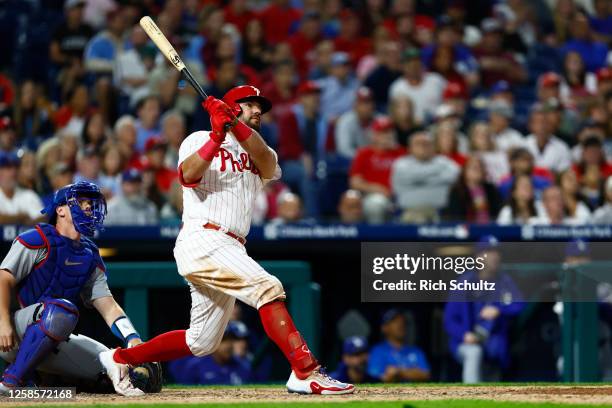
{"x":246,"y":93}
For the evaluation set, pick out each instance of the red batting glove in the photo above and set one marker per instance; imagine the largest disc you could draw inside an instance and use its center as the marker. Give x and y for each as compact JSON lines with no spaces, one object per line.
{"x":211,"y":104}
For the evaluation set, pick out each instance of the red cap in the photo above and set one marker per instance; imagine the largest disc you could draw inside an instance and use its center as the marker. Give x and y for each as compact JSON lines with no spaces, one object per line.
{"x":382,"y":124}
{"x":604,"y":74}
{"x":154,"y":142}
{"x":6,"y":123}
{"x":455,"y":90}
{"x":308,"y":87}
{"x":364,"y":94}
{"x":244,"y":93}
{"x":549,"y":79}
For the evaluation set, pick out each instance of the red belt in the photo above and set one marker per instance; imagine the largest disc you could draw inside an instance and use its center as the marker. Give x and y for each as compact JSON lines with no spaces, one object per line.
{"x":210,"y":225}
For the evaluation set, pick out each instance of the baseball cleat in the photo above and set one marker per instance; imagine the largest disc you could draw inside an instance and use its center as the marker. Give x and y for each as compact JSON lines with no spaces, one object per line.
{"x":318,"y":383}
{"x":119,"y":375}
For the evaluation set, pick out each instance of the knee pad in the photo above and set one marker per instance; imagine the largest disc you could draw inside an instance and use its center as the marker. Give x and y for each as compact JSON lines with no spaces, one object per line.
{"x":58,"y":318}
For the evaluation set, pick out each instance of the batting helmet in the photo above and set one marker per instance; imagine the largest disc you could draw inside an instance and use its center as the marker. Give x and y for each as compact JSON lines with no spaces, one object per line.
{"x":86,"y":222}
{"x":245,"y":93}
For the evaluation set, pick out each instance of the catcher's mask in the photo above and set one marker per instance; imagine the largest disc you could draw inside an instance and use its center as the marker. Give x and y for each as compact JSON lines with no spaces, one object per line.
{"x":245,"y":93}
{"x":85,"y":221}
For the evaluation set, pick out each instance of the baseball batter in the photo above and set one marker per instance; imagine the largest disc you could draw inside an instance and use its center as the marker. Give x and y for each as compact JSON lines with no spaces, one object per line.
{"x":49,"y":268}
{"x":222,"y":171}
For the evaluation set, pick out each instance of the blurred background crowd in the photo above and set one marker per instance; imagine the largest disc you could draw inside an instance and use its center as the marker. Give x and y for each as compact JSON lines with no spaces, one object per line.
{"x":409,"y":111}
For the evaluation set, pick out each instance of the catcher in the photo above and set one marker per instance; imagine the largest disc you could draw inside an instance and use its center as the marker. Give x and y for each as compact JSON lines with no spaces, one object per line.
{"x":49,"y":268}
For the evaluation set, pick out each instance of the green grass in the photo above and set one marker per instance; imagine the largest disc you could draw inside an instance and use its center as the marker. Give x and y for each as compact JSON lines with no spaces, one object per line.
{"x":356,"y":404}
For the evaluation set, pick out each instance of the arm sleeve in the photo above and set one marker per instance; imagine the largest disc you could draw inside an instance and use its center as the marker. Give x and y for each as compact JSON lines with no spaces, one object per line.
{"x":20,"y":260}
{"x":96,"y":287}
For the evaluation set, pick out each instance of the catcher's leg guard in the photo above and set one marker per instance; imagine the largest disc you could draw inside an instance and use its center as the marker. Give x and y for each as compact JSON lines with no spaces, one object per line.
{"x":57,"y":320}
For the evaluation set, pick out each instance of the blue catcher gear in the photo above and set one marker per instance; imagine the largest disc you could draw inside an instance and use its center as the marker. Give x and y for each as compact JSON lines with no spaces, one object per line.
{"x":55,"y":322}
{"x":86,"y":221}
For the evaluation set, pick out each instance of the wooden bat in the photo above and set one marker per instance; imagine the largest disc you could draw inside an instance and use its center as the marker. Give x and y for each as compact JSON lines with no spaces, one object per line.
{"x":169,"y":52}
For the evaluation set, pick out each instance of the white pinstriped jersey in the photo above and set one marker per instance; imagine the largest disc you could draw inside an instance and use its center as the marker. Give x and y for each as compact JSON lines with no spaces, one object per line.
{"x":226,"y":193}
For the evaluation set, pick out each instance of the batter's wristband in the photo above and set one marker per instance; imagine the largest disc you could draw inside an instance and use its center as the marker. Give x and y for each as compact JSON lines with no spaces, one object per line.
{"x":241,"y":131}
{"x":123,"y":329}
{"x":209,"y":150}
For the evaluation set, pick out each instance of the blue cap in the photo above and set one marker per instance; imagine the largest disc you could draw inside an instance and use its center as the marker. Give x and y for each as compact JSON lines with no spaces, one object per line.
{"x":131,"y":175}
{"x":487,"y":243}
{"x":390,"y":315}
{"x":499,"y":87}
{"x":340,"y":58}
{"x":577,"y":247}
{"x":237,"y":329}
{"x":9,"y":160}
{"x":355,"y":345}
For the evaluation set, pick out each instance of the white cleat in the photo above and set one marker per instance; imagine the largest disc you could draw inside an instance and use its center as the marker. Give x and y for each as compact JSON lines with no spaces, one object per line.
{"x":318,"y":383}
{"x":4,"y":390}
{"x":119,"y":375}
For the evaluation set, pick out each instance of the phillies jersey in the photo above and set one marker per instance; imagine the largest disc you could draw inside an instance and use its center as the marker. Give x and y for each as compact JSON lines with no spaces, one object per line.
{"x":227,"y":191}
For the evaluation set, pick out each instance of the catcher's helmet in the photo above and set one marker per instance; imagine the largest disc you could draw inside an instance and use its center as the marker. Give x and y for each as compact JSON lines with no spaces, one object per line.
{"x":244,"y":93}
{"x":85,"y":222}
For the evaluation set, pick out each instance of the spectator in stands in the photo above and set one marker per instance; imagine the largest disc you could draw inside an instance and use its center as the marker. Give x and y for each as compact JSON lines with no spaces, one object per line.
{"x":574,"y":204}
{"x":27,"y":173}
{"x":74,"y":111}
{"x":32,"y":115}
{"x":401,"y":110}
{"x":521,"y":163}
{"x":421,"y":180}
{"x":112,"y":167}
{"x":68,"y":44}
{"x":472,"y":198}
{"x":578,"y":85}
{"x":349,"y":37}
{"x":17,"y":205}
{"x":281,"y":91}
{"x":350,"y":207}
{"x":352,"y":127}
{"x":387,"y":71}
{"x":592,"y":170}
{"x":423,"y":88}
{"x":8,"y":137}
{"x":125,"y":135}
{"x":289,"y":208}
{"x":94,"y":132}
{"x":495,"y":62}
{"x":603,"y":215}
{"x":495,"y":160}
{"x":553,"y":209}
{"x":88,"y":166}
{"x":549,"y":86}
{"x":304,"y":40}
{"x":173,"y":132}
{"x":240,"y":348}
{"x":521,"y":207}
{"x":392,"y":360}
{"x":278,"y":19}
{"x":455,"y":95}
{"x":601,"y":22}
{"x":155,"y":153}
{"x":478,"y":329}
{"x":60,"y":175}
{"x":133,"y":65}
{"x":354,"y":363}
{"x":593,"y":52}
{"x":147,"y":125}
{"x":302,"y":137}
{"x":446,"y":136}
{"x":548,"y":150}
{"x":220,"y":367}
{"x":131,"y":207}
{"x":371,"y":170}
{"x":171,"y":212}
{"x":321,"y":61}
{"x":238,"y":13}
{"x":338,"y":90}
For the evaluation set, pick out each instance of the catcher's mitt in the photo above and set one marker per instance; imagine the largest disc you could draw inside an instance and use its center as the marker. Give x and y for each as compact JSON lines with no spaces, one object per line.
{"x":147,"y":377}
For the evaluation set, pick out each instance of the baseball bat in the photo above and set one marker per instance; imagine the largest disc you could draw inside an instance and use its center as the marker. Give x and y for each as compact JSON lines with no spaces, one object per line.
{"x":169,"y":52}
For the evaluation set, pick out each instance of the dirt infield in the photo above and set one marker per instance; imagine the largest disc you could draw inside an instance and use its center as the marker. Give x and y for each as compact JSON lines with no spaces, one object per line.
{"x":519,"y":393}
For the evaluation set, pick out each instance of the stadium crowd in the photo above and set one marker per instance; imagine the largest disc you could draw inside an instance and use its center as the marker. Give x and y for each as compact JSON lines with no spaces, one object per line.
{"x":399,"y":110}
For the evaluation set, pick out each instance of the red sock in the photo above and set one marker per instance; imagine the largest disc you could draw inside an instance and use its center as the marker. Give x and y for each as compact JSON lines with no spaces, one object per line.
{"x":280,"y":329}
{"x":166,"y":346}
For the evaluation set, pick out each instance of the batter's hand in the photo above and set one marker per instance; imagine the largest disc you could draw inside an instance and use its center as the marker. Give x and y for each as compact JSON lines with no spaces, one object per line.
{"x":7,"y":336}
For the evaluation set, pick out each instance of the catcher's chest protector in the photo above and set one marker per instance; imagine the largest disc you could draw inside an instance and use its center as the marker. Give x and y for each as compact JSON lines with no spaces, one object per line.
{"x":63,"y":272}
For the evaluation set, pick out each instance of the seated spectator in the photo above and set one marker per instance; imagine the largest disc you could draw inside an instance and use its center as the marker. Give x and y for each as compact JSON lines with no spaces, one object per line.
{"x":421,"y":180}
{"x":603,"y":215}
{"x":112,"y":167}
{"x":472,"y":198}
{"x":392,"y":360}
{"x":496,"y":63}
{"x":601,"y":21}
{"x":562,"y":122}
{"x":305,"y":39}
{"x":88,"y":166}
{"x":320,"y":65}
{"x":578,"y":85}
{"x":155,"y":153}
{"x":478,"y":329}
{"x":172,"y":211}
{"x":147,"y":126}
{"x":131,"y":207}
{"x":547,"y":149}
{"x":521,"y":163}
{"x":423,"y":88}
{"x":456,"y":96}
{"x":592,"y":170}
{"x":173,"y":132}
{"x":447,"y":138}
{"x":593,"y":52}
{"x":281,"y":91}
{"x":256,"y":53}
{"x":352,"y":127}
{"x":387,"y":71}
{"x":401,"y":110}
{"x":339,"y":88}
{"x":94,"y":132}
{"x":32,"y":115}
{"x":494,"y":159}
{"x":350,"y":207}
{"x":553,"y":209}
{"x":17,"y":205}
{"x":506,"y":138}
{"x":349,"y":37}
{"x":8,"y":137}
{"x":354,"y":363}
{"x":133,"y":65}
{"x":74,"y":111}
{"x":125,"y":135}
{"x":240,"y":348}
{"x":604,"y":82}
{"x":371,"y":169}
{"x":60,"y":175}
{"x":220,"y":367}
{"x":277,"y":19}
{"x":27,"y":173}
{"x":521,"y":207}
{"x":289,"y":209}
{"x":549,"y":86}
{"x":574,"y":204}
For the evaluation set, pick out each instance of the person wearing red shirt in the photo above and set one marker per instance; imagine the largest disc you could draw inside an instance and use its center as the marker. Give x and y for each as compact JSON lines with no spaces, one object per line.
{"x":370,"y":171}
{"x":304,"y":41}
{"x":155,"y":152}
{"x":281,"y":90}
{"x":238,"y":14}
{"x":278,"y":19}
{"x":349,"y":40}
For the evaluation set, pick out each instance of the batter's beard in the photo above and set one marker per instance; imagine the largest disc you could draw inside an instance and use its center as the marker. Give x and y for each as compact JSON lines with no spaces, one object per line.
{"x":253,"y":125}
